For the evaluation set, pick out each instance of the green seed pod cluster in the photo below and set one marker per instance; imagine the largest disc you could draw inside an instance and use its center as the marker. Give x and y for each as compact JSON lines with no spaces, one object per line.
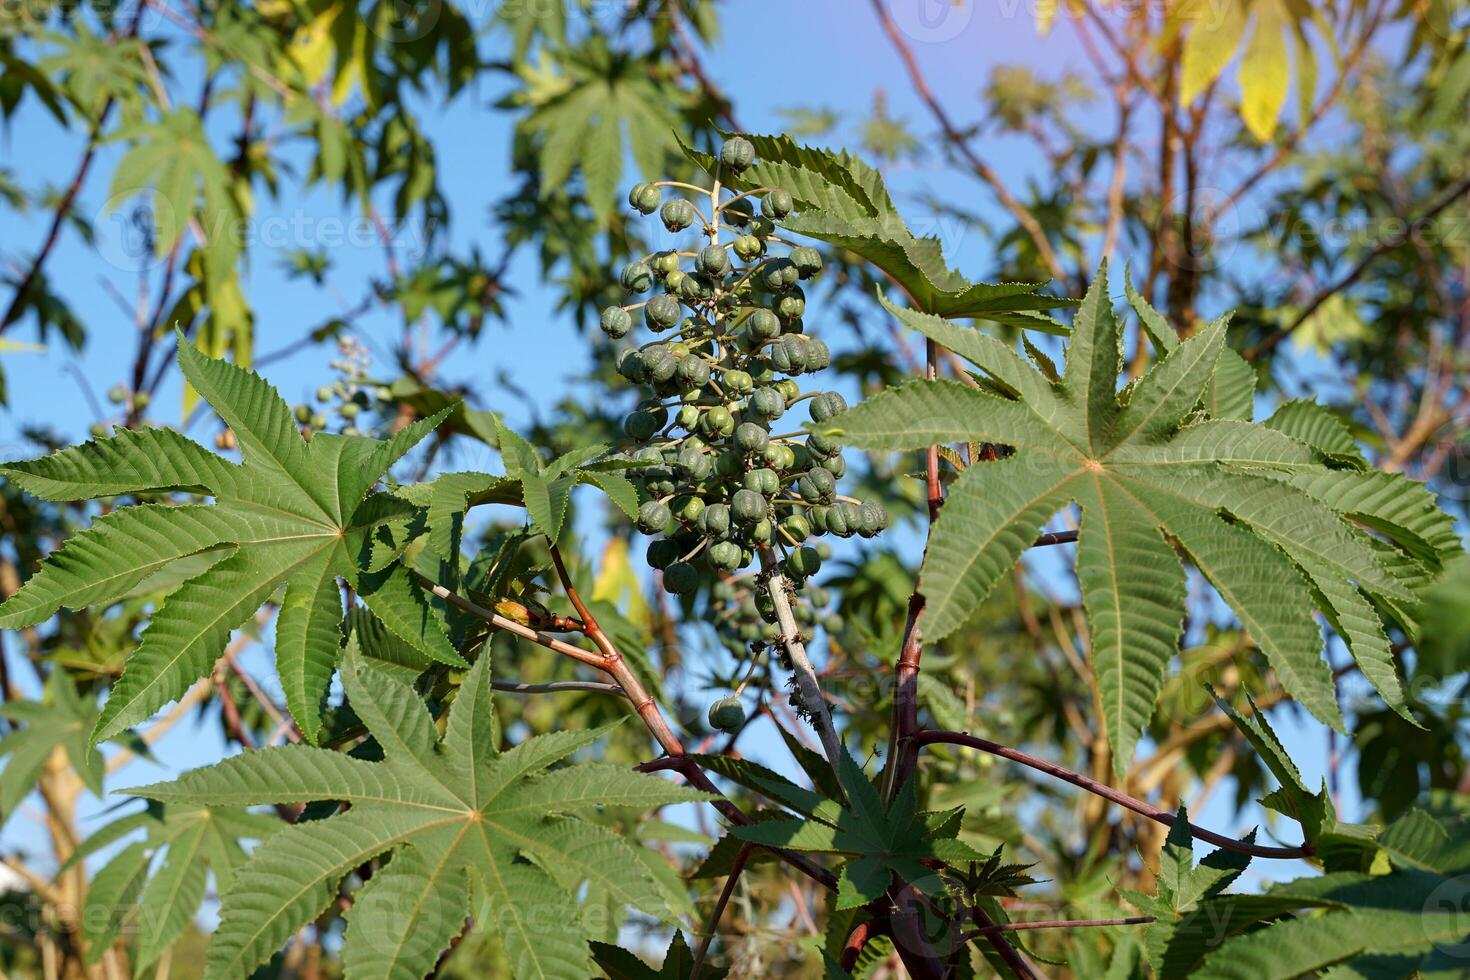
{"x":721,"y":483}
{"x":745,"y":617}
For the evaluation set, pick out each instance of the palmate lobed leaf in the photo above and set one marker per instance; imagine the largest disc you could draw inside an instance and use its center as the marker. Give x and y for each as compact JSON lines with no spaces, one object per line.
{"x":295,"y":513}
{"x":1256,"y":508}
{"x":452,"y":817}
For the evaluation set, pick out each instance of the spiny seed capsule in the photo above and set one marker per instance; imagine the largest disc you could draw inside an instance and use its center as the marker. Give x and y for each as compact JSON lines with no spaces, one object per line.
{"x":713,"y":260}
{"x":725,"y":555}
{"x":737,"y":382}
{"x":681,"y":578}
{"x":644,"y":197}
{"x":777,"y":203}
{"x":826,"y":405}
{"x":751,"y":438}
{"x":727,"y":714}
{"x":749,"y":248}
{"x":678,"y":214}
{"x":640,"y":426}
{"x":748,"y":506}
{"x":661,"y":312}
{"x":662,"y":553}
{"x":808,"y":261}
{"x":737,"y":153}
{"x":763,"y":325}
{"x":653,"y":517}
{"x":637,"y":277}
{"x":797,"y":527}
{"x":616,"y":322}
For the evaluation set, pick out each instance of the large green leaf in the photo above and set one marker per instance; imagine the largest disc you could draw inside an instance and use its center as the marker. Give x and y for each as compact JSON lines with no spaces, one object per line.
{"x":63,"y":720}
{"x":1277,"y":531}
{"x":154,"y":899}
{"x":842,"y":201}
{"x":449,"y":817}
{"x":293,"y":514}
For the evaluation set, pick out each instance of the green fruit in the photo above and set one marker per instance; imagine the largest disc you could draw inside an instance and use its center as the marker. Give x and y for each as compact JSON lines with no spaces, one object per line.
{"x":687,"y":418}
{"x":760,"y":533}
{"x":303,"y":414}
{"x":661,"y":312}
{"x":637,"y":277}
{"x":749,"y":248}
{"x":777,"y":203}
{"x":737,"y":153}
{"x":748,"y":506}
{"x":99,"y":430}
{"x":779,"y":456}
{"x":725,"y":555}
{"x":833,"y":623}
{"x":681,"y":578}
{"x":790,"y":306}
{"x":659,"y":363}
{"x":695,"y":287}
{"x":729,"y":464}
{"x":763,"y":481}
{"x":141,"y":400}
{"x":808,"y":261}
{"x":117,"y":394}
{"x":640,"y":426}
{"x":645,"y":197}
{"x":779,"y":275}
{"x":816,"y":486}
{"x":678,"y":214}
{"x":324,"y":394}
{"x":764,"y":325}
{"x":723,"y":591}
{"x":822,"y":446}
{"x":693,"y":372}
{"x":826,"y":405}
{"x":713,"y":260}
{"x":789,"y":356}
{"x":616,"y":322}
{"x":765,"y":606}
{"x":349,"y":410}
{"x":693,"y":464}
{"x":818,"y":355}
{"x":688,"y":509}
{"x":818,"y":518}
{"x":797,"y":527}
{"x":727,"y":714}
{"x":653,"y":517}
{"x":836,"y":464}
{"x":751,"y":438}
{"x":666,"y":262}
{"x":714,"y":522}
{"x":717,"y":422}
{"x":674,"y":281}
{"x":790,"y":389}
{"x":318,"y":420}
{"x":767,"y":403}
{"x":631,"y":366}
{"x":736,"y":382}
{"x":663,"y":553}
{"x":872,"y":518}
{"x":844,"y":520}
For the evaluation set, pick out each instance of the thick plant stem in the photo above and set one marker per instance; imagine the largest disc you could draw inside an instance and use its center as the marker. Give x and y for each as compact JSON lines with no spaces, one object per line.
{"x":1139,"y":807}
{"x":807,"y":684}
{"x":615,"y":665}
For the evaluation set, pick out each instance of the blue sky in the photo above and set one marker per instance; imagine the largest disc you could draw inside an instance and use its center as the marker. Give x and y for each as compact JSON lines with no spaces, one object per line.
{"x":774,"y":54}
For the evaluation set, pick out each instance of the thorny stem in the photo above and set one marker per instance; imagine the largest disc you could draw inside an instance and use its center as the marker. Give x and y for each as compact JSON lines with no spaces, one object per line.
{"x":809,"y":688}
{"x":1107,"y":792}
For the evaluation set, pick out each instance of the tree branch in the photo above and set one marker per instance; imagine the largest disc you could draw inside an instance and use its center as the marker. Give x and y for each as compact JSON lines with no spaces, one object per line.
{"x":1108,"y":793}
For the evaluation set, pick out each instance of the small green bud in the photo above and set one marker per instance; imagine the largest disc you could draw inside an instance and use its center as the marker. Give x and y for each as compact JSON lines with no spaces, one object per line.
{"x":727,"y":714}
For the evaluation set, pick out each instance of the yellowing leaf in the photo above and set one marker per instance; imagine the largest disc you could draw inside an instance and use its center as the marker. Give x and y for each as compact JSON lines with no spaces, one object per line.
{"x":1214,"y":36}
{"x":1265,"y":73}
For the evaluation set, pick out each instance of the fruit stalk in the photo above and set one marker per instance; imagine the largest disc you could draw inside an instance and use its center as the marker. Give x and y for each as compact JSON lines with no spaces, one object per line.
{"x":807,"y":685}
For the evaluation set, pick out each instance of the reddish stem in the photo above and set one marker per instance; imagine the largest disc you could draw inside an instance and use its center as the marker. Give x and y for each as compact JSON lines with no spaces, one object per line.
{"x":1108,"y":793}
